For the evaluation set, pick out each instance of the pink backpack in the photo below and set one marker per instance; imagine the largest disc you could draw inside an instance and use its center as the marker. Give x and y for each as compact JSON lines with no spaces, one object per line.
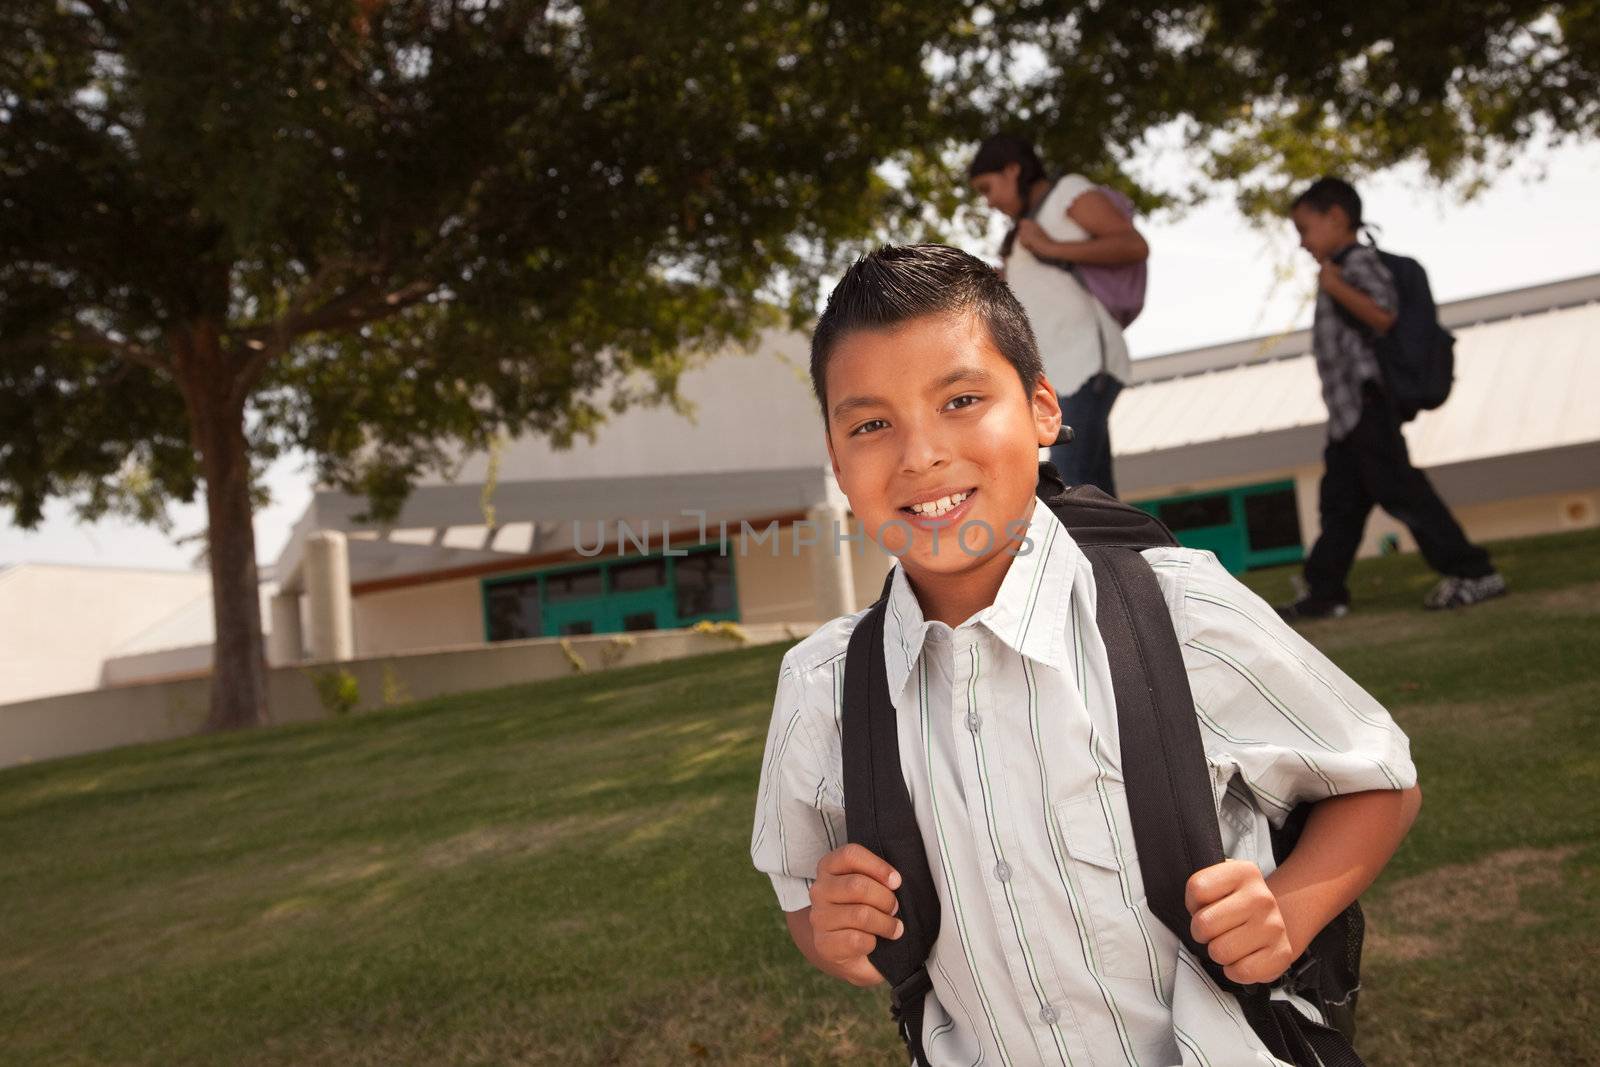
{"x":1120,"y":287}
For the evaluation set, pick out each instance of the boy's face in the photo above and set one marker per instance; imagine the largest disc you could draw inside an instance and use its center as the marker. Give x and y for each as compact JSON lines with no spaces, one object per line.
{"x":999,"y":189}
{"x":935,"y":441}
{"x":1322,"y":233}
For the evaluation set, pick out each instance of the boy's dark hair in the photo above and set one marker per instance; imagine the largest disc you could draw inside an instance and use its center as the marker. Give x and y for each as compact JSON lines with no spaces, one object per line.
{"x":1328,"y":192}
{"x":898,"y":283}
{"x":1001,"y":149}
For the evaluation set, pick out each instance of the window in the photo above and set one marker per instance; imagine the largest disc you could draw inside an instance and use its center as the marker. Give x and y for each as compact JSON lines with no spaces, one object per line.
{"x":612,"y":596}
{"x":1272,"y":520}
{"x":640,"y":620}
{"x":573,"y":585}
{"x":705,"y":585}
{"x":1196,"y":512}
{"x":513,"y":610}
{"x":1245,"y":526}
{"x":642,"y":574}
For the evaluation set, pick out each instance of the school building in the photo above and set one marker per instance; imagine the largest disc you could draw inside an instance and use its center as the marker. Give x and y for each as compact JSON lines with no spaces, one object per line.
{"x":627,"y":532}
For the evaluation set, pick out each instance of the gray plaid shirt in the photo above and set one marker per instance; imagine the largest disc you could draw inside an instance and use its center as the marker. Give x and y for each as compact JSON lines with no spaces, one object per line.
{"x":1346,"y":356}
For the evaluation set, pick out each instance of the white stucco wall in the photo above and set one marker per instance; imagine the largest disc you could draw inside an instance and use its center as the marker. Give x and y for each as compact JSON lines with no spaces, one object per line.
{"x":52,"y":727}
{"x":59,"y":623}
{"x":435,"y":615}
{"x":1494,"y":520}
{"x":773,"y":579}
{"x":747,"y":411}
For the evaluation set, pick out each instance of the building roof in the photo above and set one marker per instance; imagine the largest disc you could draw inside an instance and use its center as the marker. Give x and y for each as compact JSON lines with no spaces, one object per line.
{"x":1525,"y":363}
{"x":1454,"y":314}
{"x":752,"y":448}
{"x":441,"y":527}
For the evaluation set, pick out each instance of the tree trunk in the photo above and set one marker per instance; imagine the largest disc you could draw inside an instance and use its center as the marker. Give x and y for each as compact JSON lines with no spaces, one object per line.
{"x":216,"y":419}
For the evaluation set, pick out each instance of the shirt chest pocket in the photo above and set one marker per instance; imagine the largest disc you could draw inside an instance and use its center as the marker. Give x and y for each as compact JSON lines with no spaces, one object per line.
{"x":1108,"y":891}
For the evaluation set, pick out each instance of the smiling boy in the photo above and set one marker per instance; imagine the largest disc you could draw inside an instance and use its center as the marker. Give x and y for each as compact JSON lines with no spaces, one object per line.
{"x":935,"y":408}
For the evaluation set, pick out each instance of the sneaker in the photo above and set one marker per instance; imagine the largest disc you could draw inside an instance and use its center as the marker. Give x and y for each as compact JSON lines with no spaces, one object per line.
{"x":1453,"y":592}
{"x":1310,"y":607}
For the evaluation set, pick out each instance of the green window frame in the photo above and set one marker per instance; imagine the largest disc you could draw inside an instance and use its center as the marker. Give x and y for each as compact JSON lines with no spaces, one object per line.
{"x":611,"y":609}
{"x":1221,"y":524}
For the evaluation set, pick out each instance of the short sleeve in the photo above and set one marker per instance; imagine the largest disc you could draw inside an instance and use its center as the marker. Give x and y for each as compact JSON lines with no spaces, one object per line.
{"x":1365,"y":271}
{"x":1296,"y":726}
{"x":793,"y":831}
{"x":1067,"y":190}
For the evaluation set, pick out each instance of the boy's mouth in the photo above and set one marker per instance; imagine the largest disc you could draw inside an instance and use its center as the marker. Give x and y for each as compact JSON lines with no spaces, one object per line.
{"x":939,"y":510}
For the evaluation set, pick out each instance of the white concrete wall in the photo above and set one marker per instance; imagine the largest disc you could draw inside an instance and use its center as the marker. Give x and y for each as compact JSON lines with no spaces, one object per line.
{"x":59,"y":623}
{"x":1500,"y":520}
{"x":168,"y":663}
{"x":435,"y":615}
{"x":750,"y":411}
{"x":773,"y":578}
{"x":52,"y":727}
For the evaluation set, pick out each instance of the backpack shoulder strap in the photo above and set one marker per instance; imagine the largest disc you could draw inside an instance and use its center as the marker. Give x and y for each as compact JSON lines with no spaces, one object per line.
{"x":1170,"y":802}
{"x":1168,"y":786}
{"x":880,"y":818}
{"x":1094,"y":518}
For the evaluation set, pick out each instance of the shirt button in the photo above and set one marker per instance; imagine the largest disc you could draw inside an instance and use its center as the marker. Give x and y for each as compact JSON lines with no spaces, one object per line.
{"x":974,"y":720}
{"x":1049,"y":1016}
{"x":1002,"y":871}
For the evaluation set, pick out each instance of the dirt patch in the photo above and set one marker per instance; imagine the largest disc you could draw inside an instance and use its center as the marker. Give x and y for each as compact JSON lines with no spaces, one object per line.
{"x":1572,"y":600}
{"x":490,"y":842}
{"x":1435,"y":914}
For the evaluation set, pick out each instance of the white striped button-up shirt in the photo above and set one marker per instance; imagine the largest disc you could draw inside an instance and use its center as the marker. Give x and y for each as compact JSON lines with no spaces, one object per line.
{"x":1047,"y":952}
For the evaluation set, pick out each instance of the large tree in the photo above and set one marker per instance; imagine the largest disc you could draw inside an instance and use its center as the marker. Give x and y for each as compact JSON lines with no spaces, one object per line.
{"x":374,"y":230}
{"x":381,"y":231}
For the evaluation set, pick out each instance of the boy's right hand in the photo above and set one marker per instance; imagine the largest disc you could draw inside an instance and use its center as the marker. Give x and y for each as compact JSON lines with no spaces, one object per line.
{"x":852,"y":905}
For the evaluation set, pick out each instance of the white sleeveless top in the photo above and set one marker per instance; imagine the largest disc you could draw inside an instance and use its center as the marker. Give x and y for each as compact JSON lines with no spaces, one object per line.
{"x":1070,"y":325}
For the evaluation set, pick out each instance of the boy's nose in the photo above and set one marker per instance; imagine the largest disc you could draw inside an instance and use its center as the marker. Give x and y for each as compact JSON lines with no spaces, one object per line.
{"x":923,"y":452}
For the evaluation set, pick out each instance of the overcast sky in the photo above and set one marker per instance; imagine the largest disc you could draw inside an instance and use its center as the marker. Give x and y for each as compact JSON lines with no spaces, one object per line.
{"x":1211,"y":280}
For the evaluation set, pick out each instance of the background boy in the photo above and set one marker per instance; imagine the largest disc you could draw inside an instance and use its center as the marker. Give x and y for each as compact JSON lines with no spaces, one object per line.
{"x":935,"y":408}
{"x":1366,"y":461}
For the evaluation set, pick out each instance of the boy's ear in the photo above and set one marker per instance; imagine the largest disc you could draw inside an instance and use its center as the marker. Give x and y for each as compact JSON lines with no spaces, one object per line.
{"x":1046,"y":411}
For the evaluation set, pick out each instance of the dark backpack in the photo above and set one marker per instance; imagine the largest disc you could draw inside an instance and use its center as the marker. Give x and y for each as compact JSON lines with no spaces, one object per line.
{"x":1417,"y":355}
{"x":1166,"y":778}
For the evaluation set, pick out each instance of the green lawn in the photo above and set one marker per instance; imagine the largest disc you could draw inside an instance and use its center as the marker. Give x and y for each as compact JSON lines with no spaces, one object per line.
{"x":558,"y":873}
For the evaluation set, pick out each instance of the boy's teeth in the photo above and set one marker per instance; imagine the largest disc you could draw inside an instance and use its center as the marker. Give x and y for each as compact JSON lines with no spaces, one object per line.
{"x":940,"y":506}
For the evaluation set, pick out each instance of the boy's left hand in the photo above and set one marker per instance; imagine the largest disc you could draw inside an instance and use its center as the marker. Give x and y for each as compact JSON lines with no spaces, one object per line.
{"x":1236,"y":916}
{"x":1331,"y":275}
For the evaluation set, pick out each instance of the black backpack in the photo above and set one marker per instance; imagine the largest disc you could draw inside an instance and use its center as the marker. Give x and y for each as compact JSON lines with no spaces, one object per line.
{"x":1166,"y":778}
{"x":1417,"y":355}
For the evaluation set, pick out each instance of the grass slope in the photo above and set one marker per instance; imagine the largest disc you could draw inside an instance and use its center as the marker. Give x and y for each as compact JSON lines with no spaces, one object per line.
{"x":558,"y":873}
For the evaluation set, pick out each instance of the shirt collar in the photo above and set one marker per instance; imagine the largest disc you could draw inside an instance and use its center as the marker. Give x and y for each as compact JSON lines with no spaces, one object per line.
{"x":1029,"y":612}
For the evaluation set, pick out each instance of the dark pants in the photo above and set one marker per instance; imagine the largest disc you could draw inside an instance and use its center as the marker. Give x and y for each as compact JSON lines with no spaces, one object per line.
{"x":1371,"y":466}
{"x":1086,"y":459}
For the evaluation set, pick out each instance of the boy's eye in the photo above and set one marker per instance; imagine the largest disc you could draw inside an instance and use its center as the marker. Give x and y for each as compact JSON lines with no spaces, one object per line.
{"x":869,"y":426}
{"x":965,"y":400}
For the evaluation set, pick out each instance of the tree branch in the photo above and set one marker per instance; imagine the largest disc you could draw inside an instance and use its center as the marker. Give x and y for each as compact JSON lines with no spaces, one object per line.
{"x":88,"y":337}
{"x":345,"y":312}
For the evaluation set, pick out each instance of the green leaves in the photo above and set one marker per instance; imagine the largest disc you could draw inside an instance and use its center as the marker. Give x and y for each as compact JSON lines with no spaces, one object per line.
{"x":413,"y":224}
